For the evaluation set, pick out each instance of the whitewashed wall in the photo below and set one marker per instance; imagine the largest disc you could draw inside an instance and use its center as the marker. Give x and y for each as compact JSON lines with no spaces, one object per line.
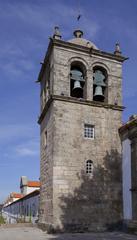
{"x":31,"y":189}
{"x":25,"y":209}
{"x":126,"y":165}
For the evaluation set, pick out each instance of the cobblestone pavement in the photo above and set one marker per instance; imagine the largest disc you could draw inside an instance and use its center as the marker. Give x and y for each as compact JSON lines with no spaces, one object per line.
{"x":29,"y":233}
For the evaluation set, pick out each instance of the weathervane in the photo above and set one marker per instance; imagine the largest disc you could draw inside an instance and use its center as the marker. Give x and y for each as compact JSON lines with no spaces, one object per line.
{"x":78,"y":33}
{"x":79,"y":14}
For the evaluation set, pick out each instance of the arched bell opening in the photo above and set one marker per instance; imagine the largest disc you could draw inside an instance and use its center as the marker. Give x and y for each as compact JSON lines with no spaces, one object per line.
{"x":100,"y":78}
{"x":77,"y":80}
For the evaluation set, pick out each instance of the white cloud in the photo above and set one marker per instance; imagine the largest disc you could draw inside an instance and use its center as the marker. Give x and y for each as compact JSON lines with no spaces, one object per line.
{"x":10,"y":68}
{"x":11,"y":132}
{"x":10,"y":50}
{"x":35,"y":22}
{"x":43,"y":17}
{"x":24,"y":151}
{"x":17,"y":62}
{"x":28,"y":148}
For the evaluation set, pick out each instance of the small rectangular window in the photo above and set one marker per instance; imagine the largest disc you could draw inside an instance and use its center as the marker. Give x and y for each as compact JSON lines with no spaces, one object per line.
{"x":89,"y":131}
{"x":45,"y":138}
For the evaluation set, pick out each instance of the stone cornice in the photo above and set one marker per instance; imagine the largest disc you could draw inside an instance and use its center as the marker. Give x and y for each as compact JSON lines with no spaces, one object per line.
{"x":129,"y":126}
{"x":88,"y":50}
{"x":46,"y":59}
{"x":77,"y":101}
{"x":47,"y":105}
{"x":68,"y":45}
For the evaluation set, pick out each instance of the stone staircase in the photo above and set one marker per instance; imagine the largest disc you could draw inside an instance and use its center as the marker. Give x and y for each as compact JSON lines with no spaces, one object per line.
{"x":132,"y":226}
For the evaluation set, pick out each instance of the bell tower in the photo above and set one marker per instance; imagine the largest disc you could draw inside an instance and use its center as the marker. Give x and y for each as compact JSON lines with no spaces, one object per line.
{"x":81,"y":107}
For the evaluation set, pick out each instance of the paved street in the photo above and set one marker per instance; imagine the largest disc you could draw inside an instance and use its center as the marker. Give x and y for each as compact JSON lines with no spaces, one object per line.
{"x":29,"y":233}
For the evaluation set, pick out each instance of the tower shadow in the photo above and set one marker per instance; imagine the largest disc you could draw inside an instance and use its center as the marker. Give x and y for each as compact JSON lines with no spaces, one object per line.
{"x":96,"y":205}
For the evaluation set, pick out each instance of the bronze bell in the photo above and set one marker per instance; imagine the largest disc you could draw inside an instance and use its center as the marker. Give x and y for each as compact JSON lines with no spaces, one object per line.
{"x":77,"y":90}
{"x":99,"y":85}
{"x":98,"y":95}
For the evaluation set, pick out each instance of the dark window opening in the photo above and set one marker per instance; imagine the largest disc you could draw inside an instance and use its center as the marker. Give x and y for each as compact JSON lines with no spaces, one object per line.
{"x":99,"y":84}
{"x":45,"y":138}
{"x":89,"y":167}
{"x":77,"y":82}
{"x":89,"y":131}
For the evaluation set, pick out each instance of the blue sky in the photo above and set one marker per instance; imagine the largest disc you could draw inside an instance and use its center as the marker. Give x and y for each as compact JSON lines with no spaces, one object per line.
{"x":25,"y":28}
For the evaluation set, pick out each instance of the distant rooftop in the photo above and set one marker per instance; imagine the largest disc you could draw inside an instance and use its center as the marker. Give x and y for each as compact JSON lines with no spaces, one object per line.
{"x":25,"y":182}
{"x":33,"y":184}
{"x":130,"y":123}
{"x":16,"y":195}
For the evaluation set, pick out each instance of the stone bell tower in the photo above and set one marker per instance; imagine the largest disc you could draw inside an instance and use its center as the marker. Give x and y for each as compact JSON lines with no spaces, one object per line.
{"x":81,"y":107}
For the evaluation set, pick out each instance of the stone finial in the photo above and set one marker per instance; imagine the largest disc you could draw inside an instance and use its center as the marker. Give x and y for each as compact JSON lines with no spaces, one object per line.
{"x":78,"y":33}
{"x":57,"y":34}
{"x":117,"y":49}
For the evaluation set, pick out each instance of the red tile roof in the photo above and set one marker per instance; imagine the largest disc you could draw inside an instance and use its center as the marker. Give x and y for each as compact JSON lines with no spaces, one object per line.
{"x":29,"y":195}
{"x":16,"y":195}
{"x":33,"y":184}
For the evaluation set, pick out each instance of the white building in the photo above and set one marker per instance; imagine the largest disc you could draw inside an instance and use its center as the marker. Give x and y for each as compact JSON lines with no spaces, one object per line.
{"x":23,"y":207}
{"x":27,"y":186}
{"x":12,"y":198}
{"x":128,"y":134}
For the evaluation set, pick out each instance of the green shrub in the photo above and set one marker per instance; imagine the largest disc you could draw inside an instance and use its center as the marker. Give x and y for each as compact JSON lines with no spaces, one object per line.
{"x":2,"y":221}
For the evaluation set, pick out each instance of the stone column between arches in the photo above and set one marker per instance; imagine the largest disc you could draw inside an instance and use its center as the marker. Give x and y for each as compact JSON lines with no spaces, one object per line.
{"x":89,"y":85}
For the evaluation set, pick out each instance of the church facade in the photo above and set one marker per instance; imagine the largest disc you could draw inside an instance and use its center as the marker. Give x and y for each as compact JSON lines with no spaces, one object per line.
{"x":81,"y":162}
